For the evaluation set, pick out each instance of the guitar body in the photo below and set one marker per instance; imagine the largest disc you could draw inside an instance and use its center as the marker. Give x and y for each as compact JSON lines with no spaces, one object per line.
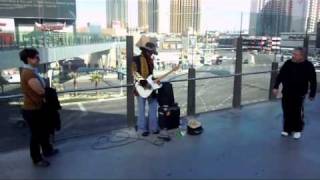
{"x":145,"y":92}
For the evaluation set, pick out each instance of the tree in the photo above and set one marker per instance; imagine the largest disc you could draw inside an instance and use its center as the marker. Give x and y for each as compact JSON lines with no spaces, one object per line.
{"x":96,"y":78}
{"x":74,"y":76}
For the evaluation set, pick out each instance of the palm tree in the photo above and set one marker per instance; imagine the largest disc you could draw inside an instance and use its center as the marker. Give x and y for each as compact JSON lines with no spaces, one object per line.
{"x":74,"y":76}
{"x":96,"y":78}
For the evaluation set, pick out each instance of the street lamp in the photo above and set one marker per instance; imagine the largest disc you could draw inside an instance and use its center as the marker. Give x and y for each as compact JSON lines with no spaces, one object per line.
{"x":192,"y":44}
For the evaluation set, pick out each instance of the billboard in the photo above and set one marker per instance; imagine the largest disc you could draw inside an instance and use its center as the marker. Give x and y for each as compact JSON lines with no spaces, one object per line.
{"x":46,"y":9}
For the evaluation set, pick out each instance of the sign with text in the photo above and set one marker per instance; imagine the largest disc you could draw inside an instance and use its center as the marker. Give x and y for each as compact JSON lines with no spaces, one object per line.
{"x":47,"y":9}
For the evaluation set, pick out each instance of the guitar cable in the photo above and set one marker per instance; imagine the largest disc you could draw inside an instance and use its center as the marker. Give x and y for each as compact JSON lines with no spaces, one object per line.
{"x":121,"y":138}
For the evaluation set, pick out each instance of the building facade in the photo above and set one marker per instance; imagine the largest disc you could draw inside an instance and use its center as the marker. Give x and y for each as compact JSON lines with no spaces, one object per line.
{"x":185,"y":15}
{"x":272,"y":17}
{"x":117,"y":13}
{"x":148,"y":17}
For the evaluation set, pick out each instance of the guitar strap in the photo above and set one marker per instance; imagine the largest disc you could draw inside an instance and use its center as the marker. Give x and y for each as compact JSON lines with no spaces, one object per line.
{"x":137,"y":75}
{"x":137,"y":61}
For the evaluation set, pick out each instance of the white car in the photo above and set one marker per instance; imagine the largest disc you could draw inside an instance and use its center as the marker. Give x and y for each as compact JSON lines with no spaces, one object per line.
{"x":11,"y":77}
{"x":316,"y":63}
{"x":14,"y":78}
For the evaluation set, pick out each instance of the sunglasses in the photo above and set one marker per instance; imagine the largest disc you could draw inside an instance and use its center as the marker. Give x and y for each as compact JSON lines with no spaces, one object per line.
{"x":36,"y":57}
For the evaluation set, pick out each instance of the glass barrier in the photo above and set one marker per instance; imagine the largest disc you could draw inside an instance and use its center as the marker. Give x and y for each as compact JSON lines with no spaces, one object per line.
{"x":181,"y":94}
{"x":14,"y":134}
{"x":255,"y":88}
{"x":92,"y":112}
{"x":214,"y":59}
{"x":166,"y":60}
{"x":82,"y":114}
{"x":214,"y":94}
{"x":210,"y":47}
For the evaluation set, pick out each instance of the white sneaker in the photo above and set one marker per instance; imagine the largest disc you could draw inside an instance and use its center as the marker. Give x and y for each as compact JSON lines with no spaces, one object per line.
{"x":297,"y":135}
{"x":283,"y":133}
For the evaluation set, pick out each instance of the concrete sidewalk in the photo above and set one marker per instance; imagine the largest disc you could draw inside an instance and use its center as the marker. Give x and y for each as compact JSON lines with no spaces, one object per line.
{"x":237,"y":144}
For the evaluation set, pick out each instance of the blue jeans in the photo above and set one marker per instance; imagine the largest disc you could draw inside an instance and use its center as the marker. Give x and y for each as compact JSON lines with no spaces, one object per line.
{"x":143,"y":124}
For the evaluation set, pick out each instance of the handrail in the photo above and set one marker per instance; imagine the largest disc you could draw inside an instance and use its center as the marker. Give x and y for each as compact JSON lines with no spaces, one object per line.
{"x":70,"y":91}
{"x":130,"y":85}
{"x":222,"y":76}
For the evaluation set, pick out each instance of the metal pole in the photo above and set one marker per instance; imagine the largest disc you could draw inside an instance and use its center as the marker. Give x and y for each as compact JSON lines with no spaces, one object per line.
{"x":191,"y":99}
{"x":306,"y":45}
{"x":130,"y":89}
{"x":273,"y":77}
{"x":306,"y":40}
{"x":17,"y":32}
{"x":121,"y":84}
{"x":237,"y":87}
{"x":192,"y":58}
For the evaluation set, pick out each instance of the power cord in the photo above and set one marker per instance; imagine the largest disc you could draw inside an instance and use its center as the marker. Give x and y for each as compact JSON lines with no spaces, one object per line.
{"x":121,"y":138}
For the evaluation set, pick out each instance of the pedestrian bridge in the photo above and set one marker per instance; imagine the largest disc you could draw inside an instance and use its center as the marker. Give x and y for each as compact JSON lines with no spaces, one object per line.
{"x":54,"y":47}
{"x":236,"y":144}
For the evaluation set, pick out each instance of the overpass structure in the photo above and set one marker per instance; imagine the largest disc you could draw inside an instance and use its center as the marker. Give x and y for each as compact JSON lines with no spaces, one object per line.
{"x":10,"y":57}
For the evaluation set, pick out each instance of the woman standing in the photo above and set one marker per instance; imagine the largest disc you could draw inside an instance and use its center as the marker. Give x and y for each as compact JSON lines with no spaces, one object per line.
{"x":33,"y":88}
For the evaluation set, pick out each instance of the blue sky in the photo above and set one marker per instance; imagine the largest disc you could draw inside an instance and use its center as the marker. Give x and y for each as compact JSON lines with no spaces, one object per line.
{"x":216,"y":14}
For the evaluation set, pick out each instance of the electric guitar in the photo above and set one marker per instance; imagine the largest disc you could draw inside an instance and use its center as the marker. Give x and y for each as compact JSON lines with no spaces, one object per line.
{"x":146,"y":91}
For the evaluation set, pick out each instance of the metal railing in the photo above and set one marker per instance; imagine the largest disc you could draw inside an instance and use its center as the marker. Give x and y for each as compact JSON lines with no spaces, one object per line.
{"x":191,"y":94}
{"x":54,"y":39}
{"x":190,"y":97}
{"x":7,"y":97}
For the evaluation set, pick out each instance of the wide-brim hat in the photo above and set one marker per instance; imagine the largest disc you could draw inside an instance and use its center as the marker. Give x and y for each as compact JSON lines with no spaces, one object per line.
{"x":147,"y":43}
{"x":194,"y":124}
{"x":194,"y":127}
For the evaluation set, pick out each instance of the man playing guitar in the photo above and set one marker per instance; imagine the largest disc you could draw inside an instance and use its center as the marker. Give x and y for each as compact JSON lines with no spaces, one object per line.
{"x":142,"y":68}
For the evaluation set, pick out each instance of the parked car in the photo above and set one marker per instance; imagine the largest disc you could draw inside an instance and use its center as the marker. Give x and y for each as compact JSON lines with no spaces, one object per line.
{"x":11,"y":75}
{"x":316,"y":64}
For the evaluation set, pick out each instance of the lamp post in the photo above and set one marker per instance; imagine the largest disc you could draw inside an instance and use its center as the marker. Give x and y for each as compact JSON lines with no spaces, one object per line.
{"x":192,"y":42}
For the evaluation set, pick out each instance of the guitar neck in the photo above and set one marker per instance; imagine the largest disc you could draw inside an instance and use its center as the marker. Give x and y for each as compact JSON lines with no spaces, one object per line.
{"x":165,"y":75}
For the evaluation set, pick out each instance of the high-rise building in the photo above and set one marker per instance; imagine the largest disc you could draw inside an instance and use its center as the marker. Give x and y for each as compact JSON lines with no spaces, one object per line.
{"x":153,"y":16}
{"x":305,"y":15}
{"x":148,"y":15}
{"x":185,"y":14}
{"x":312,"y":15}
{"x":270,"y":17}
{"x":143,"y":17}
{"x":299,"y":15}
{"x":256,"y":7}
{"x":117,"y":13}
